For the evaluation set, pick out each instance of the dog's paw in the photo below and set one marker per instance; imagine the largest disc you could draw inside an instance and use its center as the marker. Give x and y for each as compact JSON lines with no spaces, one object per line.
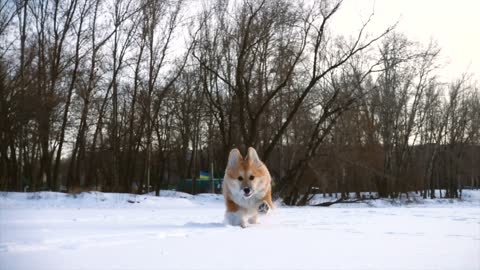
{"x":263,"y":207}
{"x":243,"y":224}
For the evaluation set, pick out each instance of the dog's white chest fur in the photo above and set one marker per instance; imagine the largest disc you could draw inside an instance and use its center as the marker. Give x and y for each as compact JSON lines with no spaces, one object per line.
{"x":250,"y":203}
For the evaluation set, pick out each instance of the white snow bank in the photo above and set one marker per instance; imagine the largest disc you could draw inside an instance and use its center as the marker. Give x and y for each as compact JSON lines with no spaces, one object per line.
{"x":174,"y":199}
{"x":470,"y":198}
{"x":167,"y":199}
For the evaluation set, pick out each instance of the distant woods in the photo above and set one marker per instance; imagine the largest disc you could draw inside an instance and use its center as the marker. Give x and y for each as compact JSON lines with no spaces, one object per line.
{"x":114,"y":94}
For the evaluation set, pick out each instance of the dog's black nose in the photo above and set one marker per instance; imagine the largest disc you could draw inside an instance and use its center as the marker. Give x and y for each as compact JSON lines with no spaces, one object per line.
{"x":246,"y":190}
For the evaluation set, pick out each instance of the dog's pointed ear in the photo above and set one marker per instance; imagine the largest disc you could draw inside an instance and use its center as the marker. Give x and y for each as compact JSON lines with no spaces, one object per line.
{"x":233,"y":158}
{"x":253,"y":156}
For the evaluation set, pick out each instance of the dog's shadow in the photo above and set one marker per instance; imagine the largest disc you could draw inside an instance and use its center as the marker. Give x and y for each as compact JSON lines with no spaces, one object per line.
{"x":188,"y":225}
{"x":199,"y":225}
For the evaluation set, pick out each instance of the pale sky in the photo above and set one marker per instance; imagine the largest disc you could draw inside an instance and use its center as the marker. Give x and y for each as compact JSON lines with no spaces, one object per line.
{"x":454,"y":24}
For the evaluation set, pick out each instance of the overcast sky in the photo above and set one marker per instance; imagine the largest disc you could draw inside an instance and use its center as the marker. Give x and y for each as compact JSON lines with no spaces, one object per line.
{"x":454,"y":24}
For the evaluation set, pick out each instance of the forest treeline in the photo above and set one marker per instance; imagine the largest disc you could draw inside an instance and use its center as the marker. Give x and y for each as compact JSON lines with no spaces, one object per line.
{"x":112,"y":95}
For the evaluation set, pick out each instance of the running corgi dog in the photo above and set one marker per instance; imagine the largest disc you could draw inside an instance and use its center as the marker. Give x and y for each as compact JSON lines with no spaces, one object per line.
{"x":246,"y":187}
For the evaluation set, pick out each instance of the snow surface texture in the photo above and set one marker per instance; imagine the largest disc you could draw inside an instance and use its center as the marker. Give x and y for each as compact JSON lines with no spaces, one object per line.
{"x":48,"y":230}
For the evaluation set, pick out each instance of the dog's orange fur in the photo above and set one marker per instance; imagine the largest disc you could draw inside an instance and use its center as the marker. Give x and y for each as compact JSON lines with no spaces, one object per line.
{"x":231,"y":205}
{"x":268,"y":198}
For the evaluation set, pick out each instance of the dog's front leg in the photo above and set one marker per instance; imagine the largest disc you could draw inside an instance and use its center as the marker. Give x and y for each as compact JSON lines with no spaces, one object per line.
{"x":235,"y":218}
{"x":263,"y":207}
{"x":253,"y":219}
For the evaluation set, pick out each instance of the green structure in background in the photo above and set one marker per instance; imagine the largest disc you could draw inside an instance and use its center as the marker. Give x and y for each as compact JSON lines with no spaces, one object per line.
{"x":202,"y":186}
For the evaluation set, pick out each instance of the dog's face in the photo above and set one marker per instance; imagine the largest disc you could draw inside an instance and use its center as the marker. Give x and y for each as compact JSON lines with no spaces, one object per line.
{"x":247,"y":176}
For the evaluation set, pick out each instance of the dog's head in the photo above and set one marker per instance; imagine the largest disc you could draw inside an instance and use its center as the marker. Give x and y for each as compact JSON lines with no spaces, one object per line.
{"x":246,"y":176}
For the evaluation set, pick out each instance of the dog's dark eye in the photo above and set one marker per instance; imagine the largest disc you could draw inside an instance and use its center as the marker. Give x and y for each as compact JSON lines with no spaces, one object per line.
{"x":252,"y":177}
{"x":240,"y":178}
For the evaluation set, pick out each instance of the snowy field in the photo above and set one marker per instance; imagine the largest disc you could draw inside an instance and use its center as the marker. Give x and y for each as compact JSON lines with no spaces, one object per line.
{"x":179,"y":231}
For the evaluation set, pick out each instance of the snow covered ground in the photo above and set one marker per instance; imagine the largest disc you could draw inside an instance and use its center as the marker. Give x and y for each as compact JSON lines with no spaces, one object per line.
{"x":178,"y":231}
